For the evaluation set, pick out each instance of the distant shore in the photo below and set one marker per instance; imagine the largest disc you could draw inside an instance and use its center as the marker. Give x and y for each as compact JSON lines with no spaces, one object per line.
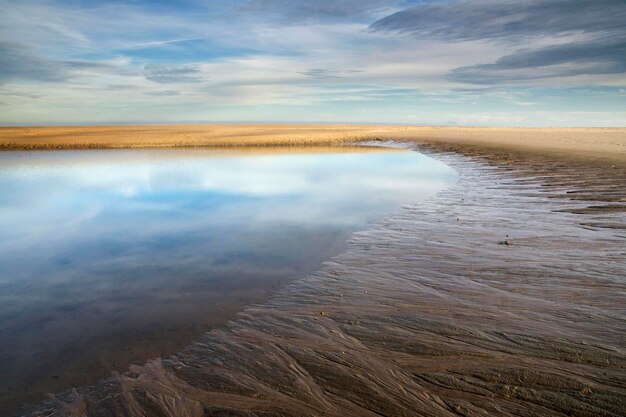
{"x":590,"y":143}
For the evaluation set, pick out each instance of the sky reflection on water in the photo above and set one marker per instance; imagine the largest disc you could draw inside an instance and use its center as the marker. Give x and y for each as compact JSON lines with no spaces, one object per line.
{"x":108,"y":257}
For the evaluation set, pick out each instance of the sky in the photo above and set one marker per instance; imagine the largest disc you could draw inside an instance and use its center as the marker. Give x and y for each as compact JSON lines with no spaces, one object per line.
{"x":418,"y":62}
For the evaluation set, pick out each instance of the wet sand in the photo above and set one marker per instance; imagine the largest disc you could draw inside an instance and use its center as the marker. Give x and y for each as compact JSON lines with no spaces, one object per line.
{"x":505,"y":295}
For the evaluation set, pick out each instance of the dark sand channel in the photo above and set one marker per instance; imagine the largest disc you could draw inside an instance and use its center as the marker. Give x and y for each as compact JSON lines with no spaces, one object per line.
{"x":114,"y":257}
{"x":502,"y":296}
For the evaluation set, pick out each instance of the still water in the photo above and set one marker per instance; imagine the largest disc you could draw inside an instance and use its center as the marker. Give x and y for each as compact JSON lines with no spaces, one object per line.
{"x":111,"y":257}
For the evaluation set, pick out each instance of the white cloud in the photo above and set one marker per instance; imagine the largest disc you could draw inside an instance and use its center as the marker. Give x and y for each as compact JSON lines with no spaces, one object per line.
{"x":143,"y":63}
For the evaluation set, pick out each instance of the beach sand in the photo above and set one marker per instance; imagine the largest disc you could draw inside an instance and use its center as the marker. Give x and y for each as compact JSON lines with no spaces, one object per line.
{"x":141,"y":136}
{"x":503,"y":296}
{"x":590,"y":143}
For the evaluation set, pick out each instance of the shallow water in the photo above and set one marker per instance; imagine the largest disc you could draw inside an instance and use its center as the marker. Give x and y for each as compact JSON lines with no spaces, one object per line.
{"x":111,"y":257}
{"x":496,"y":298}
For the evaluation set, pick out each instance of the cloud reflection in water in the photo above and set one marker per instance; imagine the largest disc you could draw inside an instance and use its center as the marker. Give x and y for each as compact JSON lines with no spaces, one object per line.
{"x":112,"y":256}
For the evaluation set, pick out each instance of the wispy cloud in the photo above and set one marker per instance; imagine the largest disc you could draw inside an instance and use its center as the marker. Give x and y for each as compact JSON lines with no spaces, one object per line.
{"x":297,"y":11}
{"x":297,"y":60}
{"x":326,"y":74}
{"x":542,"y":38}
{"x":158,"y":43}
{"x":605,"y":56}
{"x":505,"y":20}
{"x":163,"y":93}
{"x":21,"y":62}
{"x":166,"y":74}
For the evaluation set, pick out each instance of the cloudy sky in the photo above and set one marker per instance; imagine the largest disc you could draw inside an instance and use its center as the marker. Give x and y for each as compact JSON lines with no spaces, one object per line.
{"x":481,"y":62}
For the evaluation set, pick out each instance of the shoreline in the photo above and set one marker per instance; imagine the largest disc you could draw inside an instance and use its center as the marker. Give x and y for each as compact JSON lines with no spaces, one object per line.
{"x":501,"y":296}
{"x":427,"y":313}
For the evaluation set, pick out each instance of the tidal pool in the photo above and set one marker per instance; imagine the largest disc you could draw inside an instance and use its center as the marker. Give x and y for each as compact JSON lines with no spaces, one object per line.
{"x":110,"y":257}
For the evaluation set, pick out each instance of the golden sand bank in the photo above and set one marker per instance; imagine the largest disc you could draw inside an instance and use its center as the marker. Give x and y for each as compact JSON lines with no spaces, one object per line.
{"x":594,"y":143}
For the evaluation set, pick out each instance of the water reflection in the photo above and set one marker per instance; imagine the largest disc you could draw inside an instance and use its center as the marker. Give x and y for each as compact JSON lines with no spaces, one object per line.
{"x":108,"y":257}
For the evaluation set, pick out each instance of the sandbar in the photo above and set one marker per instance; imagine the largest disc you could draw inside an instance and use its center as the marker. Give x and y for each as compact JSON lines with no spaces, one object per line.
{"x":589,"y":143}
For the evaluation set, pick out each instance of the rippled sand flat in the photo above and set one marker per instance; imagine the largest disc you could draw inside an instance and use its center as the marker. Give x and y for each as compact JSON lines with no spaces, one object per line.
{"x":503,"y":296}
